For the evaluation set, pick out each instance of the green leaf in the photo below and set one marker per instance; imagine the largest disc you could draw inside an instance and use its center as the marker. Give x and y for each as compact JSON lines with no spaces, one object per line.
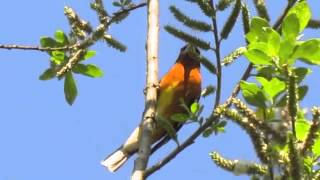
{"x":302,"y":92}
{"x":57,"y":57}
{"x":219,"y":127}
{"x":303,"y":13}
{"x":89,"y":54}
{"x":273,"y":41}
{"x":285,"y":52}
{"x":88,"y":70}
{"x":253,"y":94}
{"x":167,"y":126}
{"x":180,"y":117}
{"x":268,"y":41}
{"x":309,"y":51}
{"x":256,"y":32}
{"x":272,"y":87}
{"x":208,"y":90}
{"x":301,"y":73}
{"x":207,"y":132}
{"x":194,"y":108}
{"x":302,"y":128}
{"x":266,"y":71}
{"x":61,"y":38}
{"x":290,"y":28}
{"x":261,"y":46}
{"x":70,"y":88}
{"x":116,"y":4}
{"x":47,"y":42}
{"x":127,"y":2}
{"x":47,"y":74}
{"x":257,"y":57}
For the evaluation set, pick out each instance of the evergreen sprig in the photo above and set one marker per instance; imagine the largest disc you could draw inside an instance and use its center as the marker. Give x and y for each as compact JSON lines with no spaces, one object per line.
{"x":238,"y":166}
{"x":114,"y":43}
{"x":222,"y":162}
{"x":224,"y":4}
{"x":230,"y":58}
{"x":294,"y":160}
{"x":257,"y":137}
{"x":245,"y":18}
{"x":187,"y":37}
{"x":261,"y":9}
{"x":314,"y":24}
{"x":193,"y":24}
{"x":313,"y":133}
{"x":206,"y":7}
{"x":205,"y":62}
{"x":228,"y":26}
{"x":79,"y":27}
{"x":252,"y":118}
{"x":292,"y":98}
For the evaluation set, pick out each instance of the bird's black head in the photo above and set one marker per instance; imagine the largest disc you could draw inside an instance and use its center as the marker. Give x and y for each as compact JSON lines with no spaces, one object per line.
{"x":189,"y":54}
{"x":190,"y":50}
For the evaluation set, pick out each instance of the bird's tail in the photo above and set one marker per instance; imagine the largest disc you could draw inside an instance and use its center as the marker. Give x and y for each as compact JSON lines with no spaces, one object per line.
{"x":115,"y":160}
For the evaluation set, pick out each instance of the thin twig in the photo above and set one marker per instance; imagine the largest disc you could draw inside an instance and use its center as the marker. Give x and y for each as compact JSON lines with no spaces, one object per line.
{"x":36,"y":48}
{"x":147,"y":123}
{"x":218,"y":57}
{"x":126,"y":10}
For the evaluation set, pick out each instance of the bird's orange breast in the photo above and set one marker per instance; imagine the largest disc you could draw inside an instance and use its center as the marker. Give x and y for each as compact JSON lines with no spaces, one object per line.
{"x":182,"y":84}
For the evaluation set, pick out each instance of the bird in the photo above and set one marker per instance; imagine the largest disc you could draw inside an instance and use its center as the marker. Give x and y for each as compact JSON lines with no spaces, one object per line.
{"x":182,"y":83}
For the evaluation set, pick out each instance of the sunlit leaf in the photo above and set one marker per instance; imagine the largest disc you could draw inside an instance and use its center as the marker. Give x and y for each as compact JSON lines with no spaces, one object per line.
{"x":253,"y":94}
{"x":290,"y":27}
{"x":89,"y":54}
{"x":272,"y":87}
{"x":256,"y":29}
{"x":194,"y":107}
{"x":302,"y":12}
{"x":309,"y":51}
{"x":57,"y":57}
{"x":61,"y":38}
{"x":257,"y":57}
{"x":302,"y":128}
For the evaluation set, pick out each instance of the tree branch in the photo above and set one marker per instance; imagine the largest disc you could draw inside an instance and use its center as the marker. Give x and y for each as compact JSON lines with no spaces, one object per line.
{"x":47,"y":49}
{"x":217,"y":53}
{"x":147,"y":123}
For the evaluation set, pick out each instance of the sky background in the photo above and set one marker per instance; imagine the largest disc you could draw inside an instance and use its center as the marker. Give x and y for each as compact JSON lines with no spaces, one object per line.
{"x":42,"y":137}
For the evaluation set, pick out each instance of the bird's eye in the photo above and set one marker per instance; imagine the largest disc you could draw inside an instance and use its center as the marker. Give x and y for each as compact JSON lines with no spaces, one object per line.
{"x":183,"y":48}
{"x":197,"y":50}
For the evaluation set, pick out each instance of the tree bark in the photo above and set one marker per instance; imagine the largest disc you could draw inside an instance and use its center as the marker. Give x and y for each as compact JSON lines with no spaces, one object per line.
{"x":141,"y":162}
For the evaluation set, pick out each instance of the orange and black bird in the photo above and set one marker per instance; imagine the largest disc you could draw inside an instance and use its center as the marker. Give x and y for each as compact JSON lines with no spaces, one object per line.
{"x":182,"y":83}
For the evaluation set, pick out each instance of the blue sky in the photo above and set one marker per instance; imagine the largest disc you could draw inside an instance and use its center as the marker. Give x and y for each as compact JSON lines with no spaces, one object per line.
{"x":42,"y":137}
